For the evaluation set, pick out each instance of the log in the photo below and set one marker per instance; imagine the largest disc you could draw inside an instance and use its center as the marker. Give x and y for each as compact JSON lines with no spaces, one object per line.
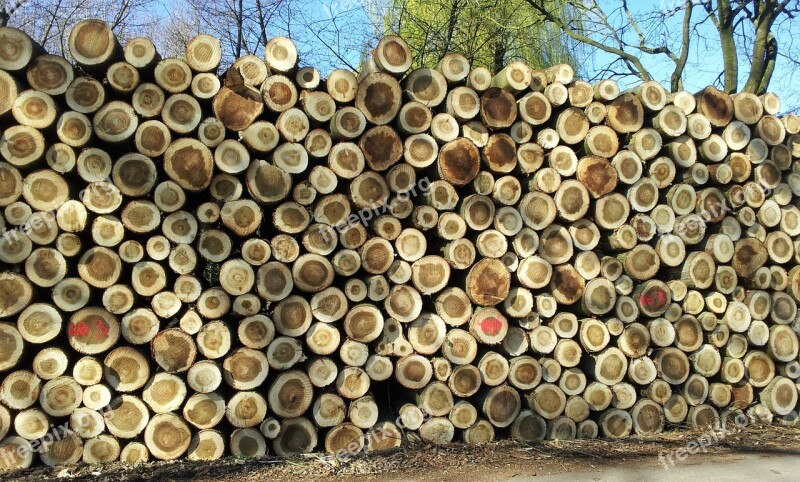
{"x":204,"y":376}
{"x":573,"y":382}
{"x":347,"y":123}
{"x":498,"y":108}
{"x":771,"y":130}
{"x":164,"y":393}
{"x":85,"y":422}
{"x":297,"y":436}
{"x":21,"y":51}
{"x":528,"y":427}
{"x":93,"y":45}
{"x":116,"y":121}
{"x":381,"y":148}
{"x":715,"y":105}
{"x":581,"y":94}
{"x":236,"y":104}
{"x":427,"y":86}
{"x":141,"y":53}
{"x":50,"y":363}
{"x":479,"y":78}
{"x":342,"y":85}
{"x":514,"y":77}
{"x":501,"y":405}
{"x":214,"y":339}
{"x":203,"y":53}
{"x":646,"y":143}
{"x":378,"y":98}
{"x":66,"y":451}
{"x":329,"y":410}
{"x":596,"y":112}
{"x":22,"y":145}
{"x":152,"y":138}
{"x":477,"y":133}
{"x":205,"y":410}
{"x":307,"y":78}
{"x":147,"y":100}
{"x":173,"y":75}
{"x":123,"y":77}
{"x":444,"y":127}
{"x":463,"y":415}
{"x":547,"y":401}
{"x":572,"y":127}
{"x":652,"y":95}
{"x":290,"y":395}
{"x":672,"y":365}
{"x":34,"y":109}
{"x":458,"y":162}
{"x":437,"y":431}
{"x":780,"y":396}
{"x":167,"y":437}
{"x":246,"y":409}
{"x":607,"y":89}
{"x":50,"y":74}
{"x":60,"y":396}
{"x":208,"y":445}
{"x":454,"y":66}
{"x":181,"y":113}
{"x":626,"y":114}
{"x":556,"y":93}
{"x":749,"y":255}
{"x":671,"y":121}
{"x":125,"y":369}
{"x":415,"y":117}
{"x":344,"y":438}
{"x":616,"y":423}
{"x":603,"y":141}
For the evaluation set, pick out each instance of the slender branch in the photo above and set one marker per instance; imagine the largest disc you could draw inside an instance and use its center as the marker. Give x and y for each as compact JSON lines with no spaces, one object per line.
{"x":711,"y":13}
{"x":335,"y":51}
{"x":627,"y":57}
{"x":772,"y":55}
{"x":676,"y":80}
{"x":6,"y":13}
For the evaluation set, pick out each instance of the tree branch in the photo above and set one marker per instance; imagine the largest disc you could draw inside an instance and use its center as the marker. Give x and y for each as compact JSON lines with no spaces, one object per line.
{"x":627,"y":57}
{"x":763,"y":26}
{"x":772,"y":55}
{"x":676,"y":80}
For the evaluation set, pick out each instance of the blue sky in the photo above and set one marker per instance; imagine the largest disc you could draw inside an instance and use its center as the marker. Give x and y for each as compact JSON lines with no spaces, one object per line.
{"x":705,"y":60}
{"x":352,"y":18}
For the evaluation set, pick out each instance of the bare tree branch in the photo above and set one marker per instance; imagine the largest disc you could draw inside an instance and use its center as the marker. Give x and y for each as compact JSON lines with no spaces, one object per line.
{"x":577,"y":35}
{"x":676,"y":80}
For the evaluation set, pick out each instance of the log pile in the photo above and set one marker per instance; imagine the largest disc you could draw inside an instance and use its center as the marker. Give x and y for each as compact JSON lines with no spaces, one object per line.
{"x":264,"y":261}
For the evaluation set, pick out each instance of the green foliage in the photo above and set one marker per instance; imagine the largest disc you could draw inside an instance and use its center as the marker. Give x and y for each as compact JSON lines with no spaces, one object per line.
{"x":490,"y":33}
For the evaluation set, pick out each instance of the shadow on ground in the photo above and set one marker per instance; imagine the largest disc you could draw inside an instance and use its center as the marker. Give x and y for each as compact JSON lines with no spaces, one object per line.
{"x":489,"y":462}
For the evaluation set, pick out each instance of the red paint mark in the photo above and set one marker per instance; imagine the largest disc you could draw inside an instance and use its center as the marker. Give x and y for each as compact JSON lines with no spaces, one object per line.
{"x":80,"y":328}
{"x":491,"y":326}
{"x":95,"y":325}
{"x":102,"y":327}
{"x":653,"y":299}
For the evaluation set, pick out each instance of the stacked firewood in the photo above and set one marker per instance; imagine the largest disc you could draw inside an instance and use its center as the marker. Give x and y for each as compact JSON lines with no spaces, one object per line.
{"x":266,"y":261}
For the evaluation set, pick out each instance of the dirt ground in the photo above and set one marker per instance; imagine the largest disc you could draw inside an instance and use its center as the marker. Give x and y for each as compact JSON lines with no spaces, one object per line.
{"x":456,"y":462}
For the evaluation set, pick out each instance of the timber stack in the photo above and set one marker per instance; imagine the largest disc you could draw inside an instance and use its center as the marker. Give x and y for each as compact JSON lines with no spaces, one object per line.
{"x":197,"y":263}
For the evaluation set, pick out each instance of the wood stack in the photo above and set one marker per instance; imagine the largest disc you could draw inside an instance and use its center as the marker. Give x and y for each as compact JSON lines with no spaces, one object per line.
{"x":265,"y":261}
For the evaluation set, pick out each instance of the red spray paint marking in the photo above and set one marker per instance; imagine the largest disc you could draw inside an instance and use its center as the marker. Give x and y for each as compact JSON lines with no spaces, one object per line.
{"x":491,"y":326}
{"x":653,"y":299}
{"x":85,"y":327}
